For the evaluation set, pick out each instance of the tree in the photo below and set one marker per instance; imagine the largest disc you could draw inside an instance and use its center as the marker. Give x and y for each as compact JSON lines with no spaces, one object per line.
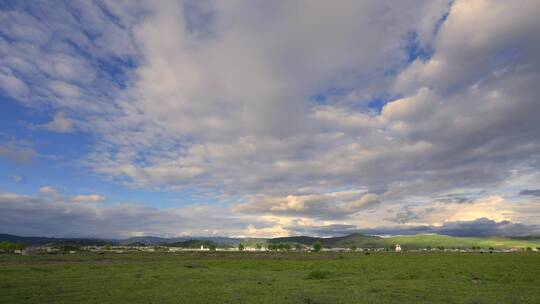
{"x":258,"y":246}
{"x":317,"y":247}
{"x":20,"y":246}
{"x":7,"y":246}
{"x":212,"y":247}
{"x":298,"y":247}
{"x":240,"y":247}
{"x":353,"y":248}
{"x":69,"y":247}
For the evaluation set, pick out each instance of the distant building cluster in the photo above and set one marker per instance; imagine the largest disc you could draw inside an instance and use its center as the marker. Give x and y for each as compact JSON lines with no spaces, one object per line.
{"x":71,"y":249}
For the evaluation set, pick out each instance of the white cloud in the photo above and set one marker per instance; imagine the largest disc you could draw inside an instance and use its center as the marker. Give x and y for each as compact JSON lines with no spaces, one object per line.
{"x":93,"y":198}
{"x":274,"y":231}
{"x":267,"y":102}
{"x":52,"y":194}
{"x":59,"y":124}
{"x":336,"y":205}
{"x":13,"y":85}
{"x":48,"y":191}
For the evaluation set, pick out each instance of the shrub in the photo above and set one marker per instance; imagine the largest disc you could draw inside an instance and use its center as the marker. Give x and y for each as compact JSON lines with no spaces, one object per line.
{"x":318,"y":275}
{"x":308,"y":300}
{"x":317,"y":247}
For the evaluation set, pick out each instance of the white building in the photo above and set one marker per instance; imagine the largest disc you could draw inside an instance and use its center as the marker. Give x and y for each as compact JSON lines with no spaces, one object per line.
{"x":398,"y":248}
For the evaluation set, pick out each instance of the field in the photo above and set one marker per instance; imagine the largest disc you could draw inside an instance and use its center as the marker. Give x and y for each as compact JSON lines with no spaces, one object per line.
{"x":418,"y":241}
{"x":424,"y":240}
{"x":271,"y":278}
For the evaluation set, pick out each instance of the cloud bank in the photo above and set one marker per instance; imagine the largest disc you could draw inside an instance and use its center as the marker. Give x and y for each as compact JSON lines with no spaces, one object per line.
{"x":298,"y":113}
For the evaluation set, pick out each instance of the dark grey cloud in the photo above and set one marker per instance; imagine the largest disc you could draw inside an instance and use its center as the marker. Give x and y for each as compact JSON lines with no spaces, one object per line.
{"x":480,"y":227}
{"x":54,"y":216}
{"x":407,"y":215}
{"x":530,"y":192}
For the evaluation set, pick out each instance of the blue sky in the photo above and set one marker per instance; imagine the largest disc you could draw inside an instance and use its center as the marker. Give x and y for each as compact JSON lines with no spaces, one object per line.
{"x":259,"y":118}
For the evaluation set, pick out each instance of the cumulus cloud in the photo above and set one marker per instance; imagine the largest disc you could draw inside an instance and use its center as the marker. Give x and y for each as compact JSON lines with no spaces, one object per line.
{"x":88,"y":198}
{"x":52,"y":194}
{"x":271,"y":103}
{"x":35,"y":216}
{"x":59,"y":124}
{"x":323,"y":206}
{"x":48,"y":191}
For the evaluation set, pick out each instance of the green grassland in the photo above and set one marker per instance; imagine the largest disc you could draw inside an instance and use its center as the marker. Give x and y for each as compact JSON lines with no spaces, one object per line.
{"x":242,"y":277}
{"x":412,"y":242}
{"x":424,"y":240}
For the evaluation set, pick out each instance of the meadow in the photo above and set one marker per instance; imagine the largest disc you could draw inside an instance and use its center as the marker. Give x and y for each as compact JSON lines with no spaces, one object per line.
{"x":242,"y":277}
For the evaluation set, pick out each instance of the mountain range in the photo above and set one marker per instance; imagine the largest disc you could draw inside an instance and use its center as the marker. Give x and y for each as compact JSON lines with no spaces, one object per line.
{"x":356,"y":239}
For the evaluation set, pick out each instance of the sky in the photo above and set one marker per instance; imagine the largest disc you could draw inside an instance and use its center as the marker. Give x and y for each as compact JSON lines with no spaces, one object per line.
{"x":269,"y":118}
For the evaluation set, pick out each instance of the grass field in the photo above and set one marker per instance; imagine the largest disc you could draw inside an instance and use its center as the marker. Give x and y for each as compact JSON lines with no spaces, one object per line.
{"x":424,"y":240}
{"x":271,"y":278}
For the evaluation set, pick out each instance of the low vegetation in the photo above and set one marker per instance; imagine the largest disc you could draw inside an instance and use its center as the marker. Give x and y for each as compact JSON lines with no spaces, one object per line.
{"x":271,"y":277}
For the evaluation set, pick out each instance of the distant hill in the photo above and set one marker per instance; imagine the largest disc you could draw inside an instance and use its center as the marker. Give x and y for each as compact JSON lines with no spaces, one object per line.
{"x":534,"y":238}
{"x":150,"y":240}
{"x":304,"y":240}
{"x":39,"y":241}
{"x":135,"y":244}
{"x":153,"y":240}
{"x":356,"y":239}
{"x":192,"y":244}
{"x":433,"y":240}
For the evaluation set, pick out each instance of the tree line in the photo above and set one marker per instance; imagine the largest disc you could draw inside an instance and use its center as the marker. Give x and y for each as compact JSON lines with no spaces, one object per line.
{"x":7,"y":246}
